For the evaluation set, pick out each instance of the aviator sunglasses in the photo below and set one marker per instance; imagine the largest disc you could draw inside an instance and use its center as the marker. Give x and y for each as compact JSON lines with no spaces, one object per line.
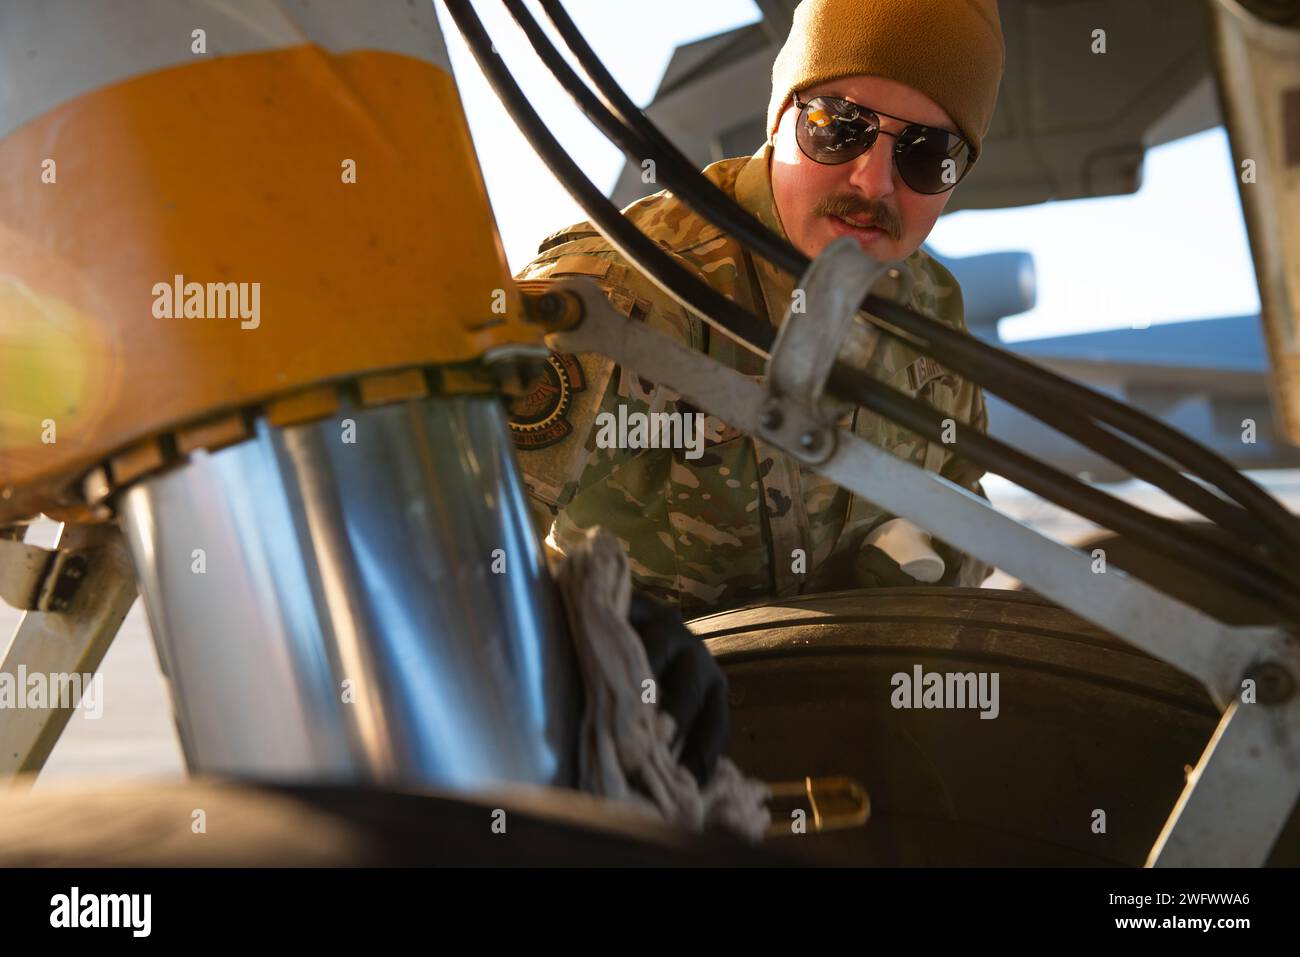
{"x":930,"y":160}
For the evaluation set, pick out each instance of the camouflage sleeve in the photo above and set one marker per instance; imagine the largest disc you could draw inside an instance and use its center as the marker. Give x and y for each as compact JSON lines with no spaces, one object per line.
{"x":552,"y":423}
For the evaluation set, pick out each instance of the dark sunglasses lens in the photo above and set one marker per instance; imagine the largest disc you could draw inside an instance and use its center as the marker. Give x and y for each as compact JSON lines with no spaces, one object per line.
{"x":835,"y":131}
{"x":931,"y":160}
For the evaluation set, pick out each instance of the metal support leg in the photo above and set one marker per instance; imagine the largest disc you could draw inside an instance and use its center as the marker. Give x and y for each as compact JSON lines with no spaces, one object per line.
{"x":65,"y":643}
{"x":1241,"y":792}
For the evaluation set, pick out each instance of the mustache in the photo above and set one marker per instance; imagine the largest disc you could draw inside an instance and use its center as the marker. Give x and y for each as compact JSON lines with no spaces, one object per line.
{"x":851,"y":205}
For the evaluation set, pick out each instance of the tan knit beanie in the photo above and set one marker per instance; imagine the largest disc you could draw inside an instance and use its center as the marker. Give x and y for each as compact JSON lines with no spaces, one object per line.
{"x":950,"y":50}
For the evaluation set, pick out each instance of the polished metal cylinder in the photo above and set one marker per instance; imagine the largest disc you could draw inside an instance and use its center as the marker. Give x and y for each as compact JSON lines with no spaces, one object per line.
{"x":359,"y":599}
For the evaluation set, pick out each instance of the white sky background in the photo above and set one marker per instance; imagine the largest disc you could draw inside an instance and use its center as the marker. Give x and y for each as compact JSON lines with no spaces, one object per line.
{"x":1175,"y":250}
{"x":633,"y":38}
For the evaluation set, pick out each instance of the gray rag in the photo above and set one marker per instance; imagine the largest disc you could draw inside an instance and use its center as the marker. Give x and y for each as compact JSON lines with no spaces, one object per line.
{"x":625,"y":752}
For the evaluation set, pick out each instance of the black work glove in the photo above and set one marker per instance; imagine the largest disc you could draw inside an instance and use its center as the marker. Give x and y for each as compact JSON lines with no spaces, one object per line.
{"x":690,"y":685}
{"x":874,"y":569}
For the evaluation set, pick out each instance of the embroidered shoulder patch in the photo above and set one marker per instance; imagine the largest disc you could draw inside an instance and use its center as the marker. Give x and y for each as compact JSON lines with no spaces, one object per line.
{"x":539,"y":417}
{"x":924,"y":371}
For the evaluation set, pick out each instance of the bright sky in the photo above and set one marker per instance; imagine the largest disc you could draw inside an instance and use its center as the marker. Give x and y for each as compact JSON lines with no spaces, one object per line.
{"x":1174,"y":250}
{"x":633,"y":38}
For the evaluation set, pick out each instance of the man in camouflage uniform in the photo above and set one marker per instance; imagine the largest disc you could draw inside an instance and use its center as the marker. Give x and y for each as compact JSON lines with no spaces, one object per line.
{"x":745,"y":522}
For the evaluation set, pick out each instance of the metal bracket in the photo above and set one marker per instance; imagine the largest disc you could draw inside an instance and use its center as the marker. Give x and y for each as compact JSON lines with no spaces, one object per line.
{"x":73,"y":642}
{"x":39,"y":579}
{"x":816,"y":324}
{"x":1241,"y":792}
{"x":1250,"y":771}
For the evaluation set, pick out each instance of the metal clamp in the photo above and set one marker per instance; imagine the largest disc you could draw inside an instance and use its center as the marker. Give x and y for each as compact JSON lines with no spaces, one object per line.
{"x":826,"y":302}
{"x":835,"y":803}
{"x":70,"y":643}
{"x":39,"y":579}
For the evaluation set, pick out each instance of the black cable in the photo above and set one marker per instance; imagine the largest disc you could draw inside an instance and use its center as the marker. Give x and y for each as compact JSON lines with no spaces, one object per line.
{"x":856,"y":386}
{"x":1273,"y":522}
{"x":1079,"y":497}
{"x":1250,"y":528}
{"x":688,"y":185}
{"x":685,"y":288}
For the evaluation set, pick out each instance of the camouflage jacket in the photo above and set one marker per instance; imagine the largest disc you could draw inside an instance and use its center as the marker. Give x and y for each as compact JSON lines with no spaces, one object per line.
{"x":741,"y":522}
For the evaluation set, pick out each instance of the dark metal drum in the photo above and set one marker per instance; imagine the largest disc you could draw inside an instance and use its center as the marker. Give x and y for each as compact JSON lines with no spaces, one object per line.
{"x":1081,"y":765}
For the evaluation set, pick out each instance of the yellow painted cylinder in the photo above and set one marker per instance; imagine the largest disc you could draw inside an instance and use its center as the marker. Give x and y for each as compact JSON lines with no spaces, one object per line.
{"x":221,"y":219}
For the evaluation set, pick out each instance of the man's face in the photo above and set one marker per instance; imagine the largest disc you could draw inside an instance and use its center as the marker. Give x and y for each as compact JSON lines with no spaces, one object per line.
{"x":814,"y":199}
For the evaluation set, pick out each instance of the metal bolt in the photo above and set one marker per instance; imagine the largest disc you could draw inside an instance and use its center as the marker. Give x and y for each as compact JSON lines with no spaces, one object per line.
{"x":1273,"y":683}
{"x":810,"y":441}
{"x":771,"y":419}
{"x":556,"y":311}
